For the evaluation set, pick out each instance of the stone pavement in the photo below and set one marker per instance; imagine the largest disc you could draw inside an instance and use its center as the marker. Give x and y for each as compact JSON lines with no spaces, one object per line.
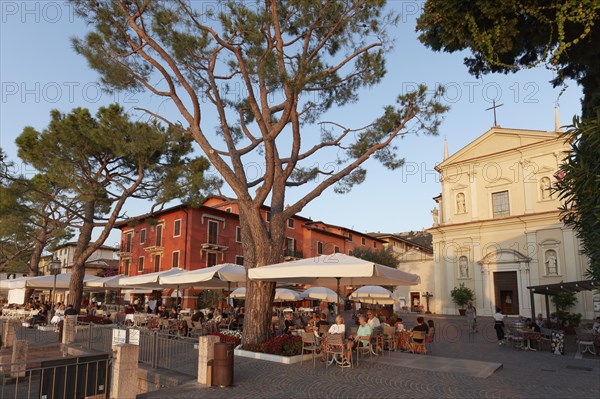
{"x":523,"y":374}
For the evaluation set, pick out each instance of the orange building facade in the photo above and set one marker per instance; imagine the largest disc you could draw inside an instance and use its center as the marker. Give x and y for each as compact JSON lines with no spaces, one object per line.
{"x":195,"y":238}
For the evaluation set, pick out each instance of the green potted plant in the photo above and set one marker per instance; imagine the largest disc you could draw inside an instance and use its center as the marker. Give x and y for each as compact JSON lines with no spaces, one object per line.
{"x":461,"y":296}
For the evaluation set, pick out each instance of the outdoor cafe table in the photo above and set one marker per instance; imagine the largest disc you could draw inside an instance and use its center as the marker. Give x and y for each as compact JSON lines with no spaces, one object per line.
{"x":528,"y":336}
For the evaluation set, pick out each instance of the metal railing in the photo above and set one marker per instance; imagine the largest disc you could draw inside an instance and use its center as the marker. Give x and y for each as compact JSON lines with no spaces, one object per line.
{"x":168,"y":351}
{"x":95,"y":336}
{"x":70,"y":377}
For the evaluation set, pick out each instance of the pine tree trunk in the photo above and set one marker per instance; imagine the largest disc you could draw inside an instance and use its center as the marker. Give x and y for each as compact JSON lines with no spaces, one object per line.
{"x":36,"y":256}
{"x":261,"y":248}
{"x":78,"y":271}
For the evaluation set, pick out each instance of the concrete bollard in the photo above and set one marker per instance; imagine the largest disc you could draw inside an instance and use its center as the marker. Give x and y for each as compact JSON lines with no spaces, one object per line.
{"x":206,"y":355}
{"x":125,"y":368}
{"x":9,"y":335}
{"x":69,"y":329}
{"x":19,"y":355}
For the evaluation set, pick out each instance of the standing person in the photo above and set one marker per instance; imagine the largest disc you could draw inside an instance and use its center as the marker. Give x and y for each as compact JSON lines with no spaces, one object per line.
{"x":499,"y":325}
{"x":471,"y":314}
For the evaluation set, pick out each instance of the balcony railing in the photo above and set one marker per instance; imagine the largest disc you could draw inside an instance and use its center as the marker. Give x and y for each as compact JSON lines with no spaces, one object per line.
{"x":290,"y":254}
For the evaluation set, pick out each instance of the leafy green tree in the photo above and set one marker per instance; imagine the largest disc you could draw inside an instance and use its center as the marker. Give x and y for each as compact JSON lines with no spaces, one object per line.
{"x":579,"y":185}
{"x":384,"y":256}
{"x":95,"y":164}
{"x":288,"y":64}
{"x":510,"y":35}
{"x":506,"y":36}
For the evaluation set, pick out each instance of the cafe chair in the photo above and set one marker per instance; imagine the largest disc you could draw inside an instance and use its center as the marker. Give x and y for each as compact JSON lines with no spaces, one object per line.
{"x":309,"y":343}
{"x":389,"y":336}
{"x":416,"y":346}
{"x":363,"y":349}
{"x":585,"y":342}
{"x":335,"y":348}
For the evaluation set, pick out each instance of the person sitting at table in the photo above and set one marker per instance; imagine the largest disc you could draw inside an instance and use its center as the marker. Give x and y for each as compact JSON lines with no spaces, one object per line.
{"x":211,"y":314}
{"x":40,"y":318}
{"x":163,"y":313}
{"x":173,"y":314}
{"x":337,"y":328}
{"x":539,"y":320}
{"x":289,"y":325}
{"x":129,"y":309}
{"x":399,"y":325}
{"x":198,"y":316}
{"x":312,"y":323}
{"x":373,"y":321}
{"x":322,"y":321}
{"x":421,"y":326}
{"x":362,"y":338}
{"x":430,"y":332}
{"x":529,"y":325}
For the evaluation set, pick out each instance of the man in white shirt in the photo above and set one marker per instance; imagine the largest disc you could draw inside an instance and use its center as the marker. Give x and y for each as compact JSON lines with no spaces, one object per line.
{"x":372,"y":320}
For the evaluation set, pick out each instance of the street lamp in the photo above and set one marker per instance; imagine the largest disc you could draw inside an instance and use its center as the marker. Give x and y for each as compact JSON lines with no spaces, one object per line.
{"x":55,"y":268}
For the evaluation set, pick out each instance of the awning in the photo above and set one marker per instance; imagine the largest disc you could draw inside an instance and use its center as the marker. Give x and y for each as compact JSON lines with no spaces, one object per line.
{"x":571,"y":286}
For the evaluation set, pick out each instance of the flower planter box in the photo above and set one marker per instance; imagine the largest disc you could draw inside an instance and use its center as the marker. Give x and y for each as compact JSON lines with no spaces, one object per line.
{"x":271,"y":358}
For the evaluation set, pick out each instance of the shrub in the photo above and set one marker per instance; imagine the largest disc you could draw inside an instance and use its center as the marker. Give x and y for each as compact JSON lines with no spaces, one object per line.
{"x":284,"y":345}
{"x":461,"y":295}
{"x":227,"y":338}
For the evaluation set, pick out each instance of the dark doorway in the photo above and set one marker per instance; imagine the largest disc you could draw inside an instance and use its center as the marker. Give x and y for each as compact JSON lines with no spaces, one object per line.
{"x":415,"y":301}
{"x":507,"y":292}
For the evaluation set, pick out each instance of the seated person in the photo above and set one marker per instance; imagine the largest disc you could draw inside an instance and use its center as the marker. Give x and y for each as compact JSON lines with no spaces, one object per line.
{"x":362,"y":338}
{"x":238,"y":320}
{"x":198,"y":316}
{"x":430,"y":332}
{"x":539,"y":320}
{"x":211,"y":314}
{"x":421,"y":326}
{"x":399,"y":325}
{"x":129,"y":309}
{"x":70,"y":311}
{"x":373,"y":320}
{"x":163,"y":313}
{"x":529,"y":325}
{"x":322,"y":321}
{"x":311,"y":324}
{"x":40,"y":318}
{"x":289,"y":324}
{"x":173,"y":314}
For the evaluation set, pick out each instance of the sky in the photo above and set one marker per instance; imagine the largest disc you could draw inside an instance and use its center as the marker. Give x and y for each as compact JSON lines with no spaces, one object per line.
{"x":39,"y":72}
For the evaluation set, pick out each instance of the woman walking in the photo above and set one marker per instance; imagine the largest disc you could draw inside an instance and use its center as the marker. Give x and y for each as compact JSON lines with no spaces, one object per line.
{"x":499,"y":325}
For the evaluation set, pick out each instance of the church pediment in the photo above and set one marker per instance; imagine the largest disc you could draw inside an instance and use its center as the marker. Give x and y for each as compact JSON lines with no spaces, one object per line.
{"x":496,"y":140}
{"x":504,"y":256}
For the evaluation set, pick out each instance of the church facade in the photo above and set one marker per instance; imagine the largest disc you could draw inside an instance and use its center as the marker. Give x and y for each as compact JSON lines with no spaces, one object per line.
{"x":497,"y":226}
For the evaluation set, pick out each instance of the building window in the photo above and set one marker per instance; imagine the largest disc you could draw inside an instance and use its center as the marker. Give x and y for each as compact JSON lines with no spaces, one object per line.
{"x":157,"y":262}
{"x":291,"y":223}
{"x":177,"y":228}
{"x":211,"y":259}
{"x":290,"y":246}
{"x":350,"y":252}
{"x":159,"y":230}
{"x":213,"y":232}
{"x":141,"y":264}
{"x":500,"y":204}
{"x":319,"y":248}
{"x":239,"y":260}
{"x":128,"y":239}
{"x":363,"y":241}
{"x":238,"y":234}
{"x":268,"y":216}
{"x":142,"y":236}
{"x":175,"y":259}
{"x":228,"y":209}
{"x":127,"y":263}
{"x":350,"y":237}
{"x":374,"y":244}
{"x":336,"y":249}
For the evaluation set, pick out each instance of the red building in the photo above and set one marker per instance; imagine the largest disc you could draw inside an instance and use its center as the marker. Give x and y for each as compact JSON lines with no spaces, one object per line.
{"x":194,"y":238}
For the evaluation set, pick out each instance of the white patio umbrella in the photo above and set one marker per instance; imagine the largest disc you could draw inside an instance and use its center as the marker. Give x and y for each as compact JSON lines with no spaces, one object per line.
{"x":150,"y":279}
{"x":333,"y":269}
{"x":321,"y":293}
{"x":47,"y":282}
{"x":284,"y":294}
{"x":238,"y":293}
{"x":6,"y":283}
{"x":373,"y":294}
{"x":218,"y":276}
{"x":281,"y":294}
